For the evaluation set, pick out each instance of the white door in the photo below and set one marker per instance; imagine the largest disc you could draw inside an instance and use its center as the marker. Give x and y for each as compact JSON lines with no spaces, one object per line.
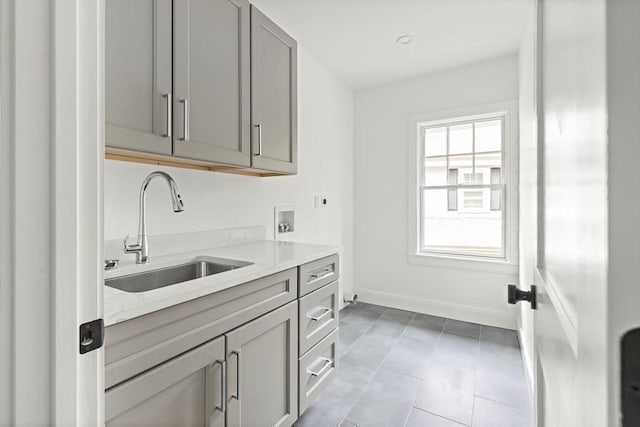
{"x":571,"y":272}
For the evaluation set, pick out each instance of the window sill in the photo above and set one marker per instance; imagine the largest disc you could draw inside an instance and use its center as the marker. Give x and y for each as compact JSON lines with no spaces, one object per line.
{"x":464,"y":263}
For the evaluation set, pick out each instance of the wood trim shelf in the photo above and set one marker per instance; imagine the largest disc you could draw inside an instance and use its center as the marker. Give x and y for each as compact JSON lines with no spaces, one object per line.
{"x":156,"y":159}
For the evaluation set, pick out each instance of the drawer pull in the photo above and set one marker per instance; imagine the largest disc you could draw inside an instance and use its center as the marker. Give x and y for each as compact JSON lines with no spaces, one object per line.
{"x":321,"y":274}
{"x":327,"y":365}
{"x":325,"y":312}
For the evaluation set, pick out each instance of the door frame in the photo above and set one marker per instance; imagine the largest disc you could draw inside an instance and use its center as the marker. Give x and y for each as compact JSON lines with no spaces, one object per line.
{"x":51,"y":160}
{"x":78,"y":70}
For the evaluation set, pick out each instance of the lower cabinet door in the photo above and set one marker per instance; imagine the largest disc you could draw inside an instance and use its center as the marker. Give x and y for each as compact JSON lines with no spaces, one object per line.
{"x":185,"y":391}
{"x":262,"y":374}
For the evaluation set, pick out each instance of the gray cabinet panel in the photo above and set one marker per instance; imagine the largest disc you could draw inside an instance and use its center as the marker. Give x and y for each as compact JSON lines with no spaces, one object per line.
{"x":185,"y":391}
{"x":318,"y":315}
{"x":212,"y":80}
{"x":317,"y":368}
{"x":316,"y":274}
{"x":273,"y":96}
{"x":264,"y":355}
{"x":138,"y":74}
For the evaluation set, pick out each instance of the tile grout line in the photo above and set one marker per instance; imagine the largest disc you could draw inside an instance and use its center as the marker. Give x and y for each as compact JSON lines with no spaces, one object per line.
{"x":413,"y":405}
{"x":443,"y":417}
{"x":362,"y":334}
{"x":475,"y":383}
{"x":406,"y":420}
{"x":379,"y":367}
{"x":475,"y":393}
{"x":345,"y":352}
{"x":499,"y":402}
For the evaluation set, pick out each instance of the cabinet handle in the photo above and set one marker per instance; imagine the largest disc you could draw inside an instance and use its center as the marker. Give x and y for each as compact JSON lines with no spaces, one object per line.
{"x":259,"y":127}
{"x":223,"y":386}
{"x":327,"y":365}
{"x":238,"y":377}
{"x":185,"y":119}
{"x":326,"y":312}
{"x":321,"y":274}
{"x":168,"y":106}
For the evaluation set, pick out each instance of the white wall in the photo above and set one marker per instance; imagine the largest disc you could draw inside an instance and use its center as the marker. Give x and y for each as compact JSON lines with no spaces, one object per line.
{"x":216,"y":200}
{"x":382,"y":272}
{"x":528,"y":186}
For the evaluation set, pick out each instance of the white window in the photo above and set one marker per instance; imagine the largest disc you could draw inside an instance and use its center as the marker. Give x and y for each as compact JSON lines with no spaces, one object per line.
{"x":462,"y":187}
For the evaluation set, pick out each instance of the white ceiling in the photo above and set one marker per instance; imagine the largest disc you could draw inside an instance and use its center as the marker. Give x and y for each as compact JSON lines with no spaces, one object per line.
{"x":356,"y":39}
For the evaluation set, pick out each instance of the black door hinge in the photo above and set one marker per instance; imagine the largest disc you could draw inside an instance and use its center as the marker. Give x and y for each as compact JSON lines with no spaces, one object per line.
{"x":91,"y":335}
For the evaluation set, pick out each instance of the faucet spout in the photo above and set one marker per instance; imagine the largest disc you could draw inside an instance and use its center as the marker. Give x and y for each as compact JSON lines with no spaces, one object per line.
{"x":141,"y":247}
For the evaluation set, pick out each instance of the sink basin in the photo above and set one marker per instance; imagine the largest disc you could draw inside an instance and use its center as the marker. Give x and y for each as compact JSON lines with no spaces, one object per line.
{"x":155,"y":279}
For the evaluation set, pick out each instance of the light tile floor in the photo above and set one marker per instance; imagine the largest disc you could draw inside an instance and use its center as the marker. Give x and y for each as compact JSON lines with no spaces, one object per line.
{"x":398,"y":368}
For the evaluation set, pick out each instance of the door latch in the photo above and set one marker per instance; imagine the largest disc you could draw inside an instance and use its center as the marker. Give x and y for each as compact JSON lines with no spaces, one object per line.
{"x":630,"y":378}
{"x":91,"y":335}
{"x":515,"y":295}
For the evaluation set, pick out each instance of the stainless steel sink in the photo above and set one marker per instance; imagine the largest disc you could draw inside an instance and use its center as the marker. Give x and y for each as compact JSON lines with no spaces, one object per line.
{"x":155,"y":279}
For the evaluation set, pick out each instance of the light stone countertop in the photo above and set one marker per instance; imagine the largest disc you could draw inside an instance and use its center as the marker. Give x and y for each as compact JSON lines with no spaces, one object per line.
{"x":268,"y":257}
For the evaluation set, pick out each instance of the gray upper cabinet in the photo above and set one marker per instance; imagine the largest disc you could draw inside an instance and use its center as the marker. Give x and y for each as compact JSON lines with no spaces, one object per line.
{"x":138,"y":75}
{"x":211,"y":73}
{"x":185,"y":391}
{"x":273,"y":96}
{"x":209,"y":83}
{"x":263,"y":353}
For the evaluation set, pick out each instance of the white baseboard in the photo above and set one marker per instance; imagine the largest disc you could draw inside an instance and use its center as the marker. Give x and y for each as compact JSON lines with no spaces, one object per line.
{"x":501,"y":319}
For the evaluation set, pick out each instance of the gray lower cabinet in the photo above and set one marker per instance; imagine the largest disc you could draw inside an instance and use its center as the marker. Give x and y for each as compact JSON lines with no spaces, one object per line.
{"x":317,"y":368}
{"x":264,"y":355}
{"x":251,"y":381}
{"x":318,"y":315}
{"x":316,"y":274}
{"x":249,"y":356}
{"x":185,"y":391}
{"x":273,"y":96}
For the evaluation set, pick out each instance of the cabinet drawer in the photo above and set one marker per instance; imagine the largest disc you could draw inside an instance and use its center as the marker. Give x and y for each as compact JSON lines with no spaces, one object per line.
{"x":317,"y":369}
{"x":144,"y":342}
{"x":316,"y":274}
{"x":318,"y":315}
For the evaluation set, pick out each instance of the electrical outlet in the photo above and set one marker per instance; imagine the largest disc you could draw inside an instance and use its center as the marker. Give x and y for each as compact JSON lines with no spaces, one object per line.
{"x":321,"y":201}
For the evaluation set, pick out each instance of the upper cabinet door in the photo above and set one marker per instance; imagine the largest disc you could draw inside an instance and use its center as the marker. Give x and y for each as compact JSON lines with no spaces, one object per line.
{"x":274,"y":106}
{"x":138,"y":75}
{"x":212,"y":81}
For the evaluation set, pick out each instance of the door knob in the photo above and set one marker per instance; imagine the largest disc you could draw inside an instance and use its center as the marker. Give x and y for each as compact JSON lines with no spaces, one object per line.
{"x":515,"y":295}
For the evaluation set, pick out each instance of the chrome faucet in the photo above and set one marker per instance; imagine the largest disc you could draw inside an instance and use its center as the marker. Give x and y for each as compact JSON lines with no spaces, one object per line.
{"x":141,"y":247}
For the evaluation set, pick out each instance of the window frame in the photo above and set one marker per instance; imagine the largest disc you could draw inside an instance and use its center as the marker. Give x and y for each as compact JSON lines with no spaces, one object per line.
{"x":507,"y":261}
{"x":462,"y":187}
